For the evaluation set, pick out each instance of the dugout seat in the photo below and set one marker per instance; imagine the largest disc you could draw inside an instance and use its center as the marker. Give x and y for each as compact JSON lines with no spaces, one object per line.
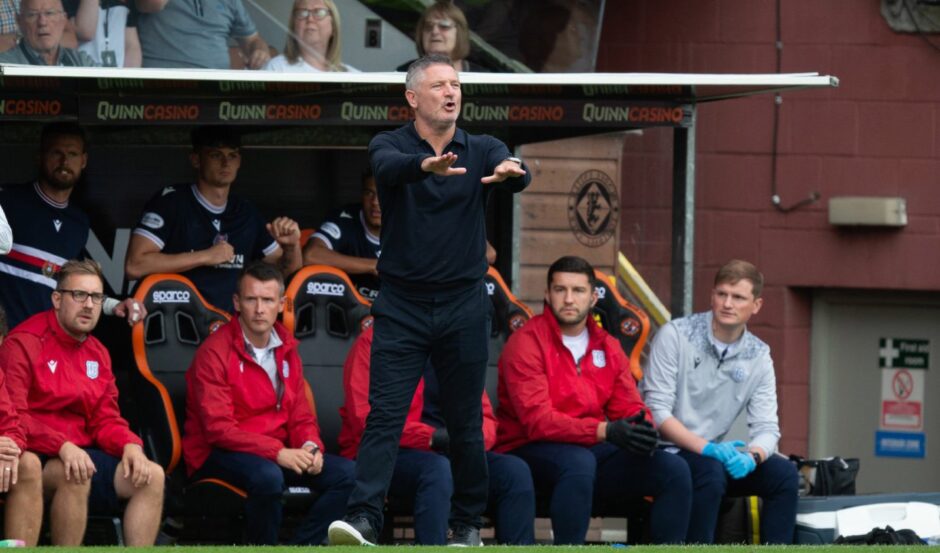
{"x":178,"y":320}
{"x":325,"y":313}
{"x":509,"y":314}
{"x":626,"y":322}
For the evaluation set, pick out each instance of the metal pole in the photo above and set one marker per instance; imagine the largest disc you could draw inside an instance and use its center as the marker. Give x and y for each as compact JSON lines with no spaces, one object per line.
{"x":683,"y":217}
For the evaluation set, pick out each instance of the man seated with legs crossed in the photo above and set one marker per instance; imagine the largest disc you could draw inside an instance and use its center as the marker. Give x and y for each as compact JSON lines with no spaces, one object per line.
{"x":20,"y":470}
{"x":422,"y":478}
{"x":705,"y":369}
{"x":248,"y":419}
{"x":569,"y":407}
{"x":59,"y":378}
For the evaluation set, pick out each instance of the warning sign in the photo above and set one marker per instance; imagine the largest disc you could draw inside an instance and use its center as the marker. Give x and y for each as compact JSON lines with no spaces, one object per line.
{"x":902,"y":399}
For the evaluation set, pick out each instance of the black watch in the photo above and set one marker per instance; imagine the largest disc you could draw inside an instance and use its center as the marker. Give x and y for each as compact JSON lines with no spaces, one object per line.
{"x":756,"y":456}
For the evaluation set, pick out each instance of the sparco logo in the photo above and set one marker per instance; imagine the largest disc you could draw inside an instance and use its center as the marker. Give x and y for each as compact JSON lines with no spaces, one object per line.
{"x":325,"y":289}
{"x":171,"y":296}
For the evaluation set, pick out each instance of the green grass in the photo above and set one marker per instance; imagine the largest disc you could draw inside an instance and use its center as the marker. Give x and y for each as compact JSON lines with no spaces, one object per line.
{"x":537,"y":548}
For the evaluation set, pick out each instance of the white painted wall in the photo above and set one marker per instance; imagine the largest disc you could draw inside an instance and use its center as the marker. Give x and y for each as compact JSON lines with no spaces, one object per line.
{"x":271,"y":18}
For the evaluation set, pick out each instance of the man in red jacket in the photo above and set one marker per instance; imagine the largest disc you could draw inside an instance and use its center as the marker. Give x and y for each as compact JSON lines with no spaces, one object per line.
{"x":20,"y":470}
{"x":569,"y":407}
{"x":248,"y":420}
{"x":60,"y":381}
{"x":422,"y":477}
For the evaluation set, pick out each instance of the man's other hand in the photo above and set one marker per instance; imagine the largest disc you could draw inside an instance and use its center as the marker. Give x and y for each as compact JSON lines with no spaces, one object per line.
{"x":634,"y":434}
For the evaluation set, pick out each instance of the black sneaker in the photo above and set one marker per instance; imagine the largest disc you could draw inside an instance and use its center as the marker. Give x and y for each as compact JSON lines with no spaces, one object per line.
{"x":464,"y":536}
{"x":352,"y":531}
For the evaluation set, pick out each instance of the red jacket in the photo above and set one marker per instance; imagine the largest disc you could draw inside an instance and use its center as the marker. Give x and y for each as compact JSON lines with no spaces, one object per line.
{"x":9,"y":419}
{"x":416,"y":435}
{"x":231,"y":405}
{"x":63,"y":388}
{"x":543,"y":396}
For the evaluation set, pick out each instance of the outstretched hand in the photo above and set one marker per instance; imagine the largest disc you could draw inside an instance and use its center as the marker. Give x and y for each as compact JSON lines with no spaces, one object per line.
{"x":442,"y":165}
{"x":505,"y":170}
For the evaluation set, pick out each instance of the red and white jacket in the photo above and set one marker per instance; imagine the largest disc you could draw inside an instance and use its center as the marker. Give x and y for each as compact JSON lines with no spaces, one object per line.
{"x":231,"y":404}
{"x":63,"y":388}
{"x":416,"y":434}
{"x":544,"y":396}
{"x":9,"y":419}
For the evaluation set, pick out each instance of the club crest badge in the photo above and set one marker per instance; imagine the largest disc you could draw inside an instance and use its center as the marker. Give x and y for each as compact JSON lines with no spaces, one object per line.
{"x":91,"y":369}
{"x":600,"y":360}
{"x":738,"y":374}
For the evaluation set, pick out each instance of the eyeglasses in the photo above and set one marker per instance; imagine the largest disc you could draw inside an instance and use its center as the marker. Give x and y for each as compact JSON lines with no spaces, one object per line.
{"x":317,"y":13}
{"x":82,"y":296}
{"x":443,"y":25}
{"x":33,"y":15}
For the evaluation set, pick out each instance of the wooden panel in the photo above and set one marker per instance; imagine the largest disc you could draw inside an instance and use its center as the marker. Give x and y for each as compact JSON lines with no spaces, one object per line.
{"x":559,"y":174}
{"x":600,"y":146}
{"x":542,"y":247}
{"x":544,"y":211}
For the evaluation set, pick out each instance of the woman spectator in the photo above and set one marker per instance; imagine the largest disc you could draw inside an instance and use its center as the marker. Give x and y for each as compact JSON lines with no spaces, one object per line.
{"x":443,"y":29}
{"x":313,"y":43}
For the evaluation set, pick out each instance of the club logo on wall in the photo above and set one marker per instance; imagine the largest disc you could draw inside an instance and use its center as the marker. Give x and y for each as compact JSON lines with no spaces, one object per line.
{"x":593,"y":208}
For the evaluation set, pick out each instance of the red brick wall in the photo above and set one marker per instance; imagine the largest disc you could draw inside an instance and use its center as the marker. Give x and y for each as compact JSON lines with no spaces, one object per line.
{"x":877,"y":134}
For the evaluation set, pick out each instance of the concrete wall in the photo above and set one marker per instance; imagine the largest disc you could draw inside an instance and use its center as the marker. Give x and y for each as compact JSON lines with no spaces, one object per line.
{"x":877,"y":134}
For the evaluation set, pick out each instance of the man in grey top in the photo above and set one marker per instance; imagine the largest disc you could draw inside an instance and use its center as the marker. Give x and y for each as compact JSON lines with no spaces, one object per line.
{"x":705,"y":369}
{"x":42,"y":23}
{"x":195,"y":33}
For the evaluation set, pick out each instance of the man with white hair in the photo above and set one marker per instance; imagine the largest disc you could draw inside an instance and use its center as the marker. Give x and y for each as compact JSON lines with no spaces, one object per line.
{"x":42,"y":23}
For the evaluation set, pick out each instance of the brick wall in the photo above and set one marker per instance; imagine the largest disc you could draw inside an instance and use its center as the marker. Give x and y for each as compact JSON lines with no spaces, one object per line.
{"x":877,"y":134}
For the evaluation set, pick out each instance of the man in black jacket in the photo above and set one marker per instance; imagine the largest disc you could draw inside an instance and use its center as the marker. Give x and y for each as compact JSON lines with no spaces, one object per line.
{"x":433,"y":180}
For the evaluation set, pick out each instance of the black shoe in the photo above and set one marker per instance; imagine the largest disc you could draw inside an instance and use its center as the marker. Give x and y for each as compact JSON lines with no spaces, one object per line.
{"x":464,"y":536}
{"x":352,"y":531}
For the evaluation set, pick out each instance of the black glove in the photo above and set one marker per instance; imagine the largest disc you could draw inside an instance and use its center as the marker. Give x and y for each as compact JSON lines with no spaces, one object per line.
{"x":440,"y":441}
{"x":634,"y":434}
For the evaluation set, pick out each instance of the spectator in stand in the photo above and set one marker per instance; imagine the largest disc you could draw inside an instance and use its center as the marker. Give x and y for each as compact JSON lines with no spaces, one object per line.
{"x":422,"y":477}
{"x":60,"y":381}
{"x":42,"y":23}
{"x":206,"y":233}
{"x":112,"y":40}
{"x":568,"y":405}
{"x":704,"y":370}
{"x":20,"y":470}
{"x":47,"y":229}
{"x":8,"y":29}
{"x":195,"y":33}
{"x":313,"y":42}
{"x":249,"y":421}
{"x":443,"y":29}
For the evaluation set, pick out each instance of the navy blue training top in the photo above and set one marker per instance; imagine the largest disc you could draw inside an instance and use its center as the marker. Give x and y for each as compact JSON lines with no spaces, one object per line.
{"x":433,"y":227}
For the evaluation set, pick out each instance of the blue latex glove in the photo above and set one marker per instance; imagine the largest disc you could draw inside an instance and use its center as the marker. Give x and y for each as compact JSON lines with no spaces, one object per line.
{"x":723,"y":451}
{"x":740,"y":465}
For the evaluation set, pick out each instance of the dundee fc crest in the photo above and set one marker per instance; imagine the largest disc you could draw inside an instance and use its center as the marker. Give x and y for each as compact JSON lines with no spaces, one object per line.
{"x":593,"y":208}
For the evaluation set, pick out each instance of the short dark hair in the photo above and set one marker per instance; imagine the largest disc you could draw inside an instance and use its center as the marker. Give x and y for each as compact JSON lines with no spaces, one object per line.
{"x":419,"y":65}
{"x":215,"y":136}
{"x":737,"y":270}
{"x":4,"y":326}
{"x":263,"y":271}
{"x":60,"y":129}
{"x":571,"y":264}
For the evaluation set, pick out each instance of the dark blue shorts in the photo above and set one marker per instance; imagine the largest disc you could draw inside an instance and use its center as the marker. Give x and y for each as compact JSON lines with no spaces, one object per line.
{"x":103,"y":497}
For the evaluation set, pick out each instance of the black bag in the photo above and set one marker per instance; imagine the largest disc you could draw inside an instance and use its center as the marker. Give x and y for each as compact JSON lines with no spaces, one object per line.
{"x":883,"y":536}
{"x":833,"y":476}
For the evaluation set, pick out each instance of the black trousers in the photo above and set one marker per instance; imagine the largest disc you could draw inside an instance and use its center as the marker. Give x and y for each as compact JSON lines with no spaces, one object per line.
{"x":452,"y":331}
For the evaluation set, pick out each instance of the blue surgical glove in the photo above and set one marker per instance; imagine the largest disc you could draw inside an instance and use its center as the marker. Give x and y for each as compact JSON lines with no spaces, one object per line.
{"x":740,"y":465}
{"x":723,"y":451}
